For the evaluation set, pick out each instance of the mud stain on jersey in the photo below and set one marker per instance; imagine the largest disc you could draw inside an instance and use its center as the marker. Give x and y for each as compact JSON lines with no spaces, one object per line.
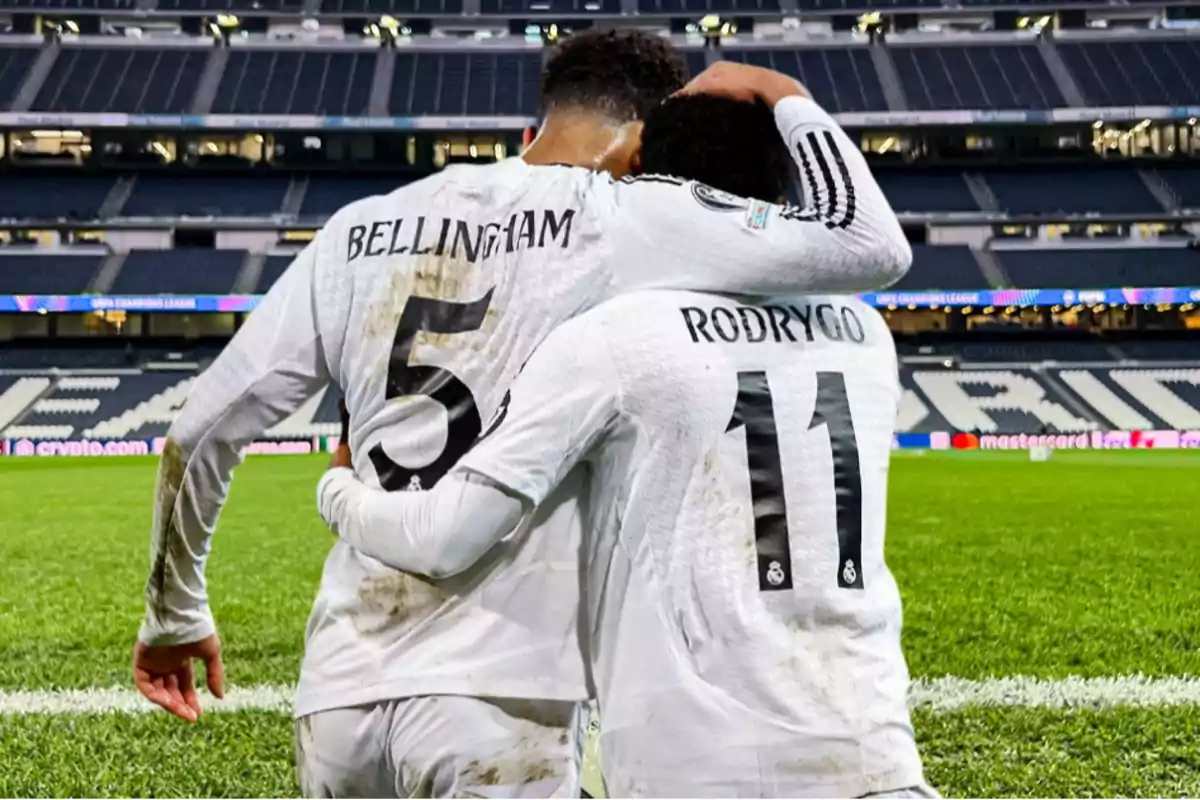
{"x":392,"y":598}
{"x":475,"y":774}
{"x":168,"y":541}
{"x":537,"y":771}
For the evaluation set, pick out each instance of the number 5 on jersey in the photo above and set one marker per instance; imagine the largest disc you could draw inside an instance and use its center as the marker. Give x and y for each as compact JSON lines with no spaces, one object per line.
{"x":755,"y":411}
{"x":405,"y":379}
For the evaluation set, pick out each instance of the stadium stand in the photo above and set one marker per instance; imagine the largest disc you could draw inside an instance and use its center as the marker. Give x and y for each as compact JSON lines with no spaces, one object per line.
{"x":985,"y":398}
{"x":1183,"y":184}
{"x":520,"y":7}
{"x":273,"y":267}
{"x":109,"y":406}
{"x":296,"y":82}
{"x":1008,"y":76}
{"x":126,"y":80}
{"x":443,"y":83}
{"x":14,"y":65}
{"x":327,"y":193}
{"x":947,"y":267}
{"x":52,"y":272}
{"x":179,"y":271}
{"x":1125,"y":73}
{"x":963,"y":383}
{"x":191,"y":195}
{"x":398,"y":7}
{"x":284,"y":6}
{"x":1063,"y":267}
{"x":855,"y":88}
{"x":927,"y":191}
{"x":51,"y":195}
{"x":1050,"y":190}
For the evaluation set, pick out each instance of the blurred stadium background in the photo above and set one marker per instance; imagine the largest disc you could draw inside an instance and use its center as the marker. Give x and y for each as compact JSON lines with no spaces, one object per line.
{"x":162,"y":160}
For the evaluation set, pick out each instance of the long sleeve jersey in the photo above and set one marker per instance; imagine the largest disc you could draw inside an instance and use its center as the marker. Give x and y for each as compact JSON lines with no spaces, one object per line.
{"x":422,"y":305}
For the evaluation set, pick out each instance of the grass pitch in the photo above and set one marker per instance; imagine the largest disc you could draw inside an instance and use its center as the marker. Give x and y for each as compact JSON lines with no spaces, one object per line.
{"x":1083,"y":566}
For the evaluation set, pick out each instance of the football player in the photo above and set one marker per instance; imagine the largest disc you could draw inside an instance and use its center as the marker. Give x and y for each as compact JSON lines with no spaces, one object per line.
{"x":742,"y":625}
{"x":422,"y":305}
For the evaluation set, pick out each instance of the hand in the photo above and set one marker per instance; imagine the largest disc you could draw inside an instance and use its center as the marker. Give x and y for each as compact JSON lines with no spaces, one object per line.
{"x":744,"y":82}
{"x":342,"y":456}
{"x":165,"y":676}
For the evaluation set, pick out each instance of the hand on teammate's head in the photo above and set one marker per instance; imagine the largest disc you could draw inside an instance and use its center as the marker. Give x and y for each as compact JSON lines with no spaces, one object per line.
{"x":744,"y":82}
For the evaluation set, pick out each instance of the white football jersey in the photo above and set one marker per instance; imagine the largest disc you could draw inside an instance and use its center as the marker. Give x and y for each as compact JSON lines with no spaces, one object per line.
{"x":422,"y":305}
{"x":743,"y":627}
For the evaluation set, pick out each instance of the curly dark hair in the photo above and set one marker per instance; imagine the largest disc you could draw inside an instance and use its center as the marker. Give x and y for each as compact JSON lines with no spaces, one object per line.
{"x":622,"y":73}
{"x":730,"y":145}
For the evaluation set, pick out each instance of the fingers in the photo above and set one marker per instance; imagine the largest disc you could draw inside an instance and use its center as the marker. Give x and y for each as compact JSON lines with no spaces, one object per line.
{"x":163,"y":691}
{"x":187,"y":686}
{"x":214,"y":673}
{"x":178,"y":707}
{"x":152,"y":689}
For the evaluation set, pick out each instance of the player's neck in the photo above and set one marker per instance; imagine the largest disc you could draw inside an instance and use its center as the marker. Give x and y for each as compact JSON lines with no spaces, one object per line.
{"x":579,"y":139}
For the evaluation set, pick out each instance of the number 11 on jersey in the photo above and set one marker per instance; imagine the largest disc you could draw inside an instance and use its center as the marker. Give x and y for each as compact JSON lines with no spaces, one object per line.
{"x":754,"y":410}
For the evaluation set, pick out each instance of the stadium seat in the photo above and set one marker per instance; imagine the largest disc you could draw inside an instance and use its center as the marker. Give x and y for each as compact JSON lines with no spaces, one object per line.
{"x":121,"y":406}
{"x":523,"y":7}
{"x":687,"y":7}
{"x":53,"y":195}
{"x":841,"y":79}
{"x":273,"y":267}
{"x":1127,"y":73}
{"x":398,"y":7}
{"x":179,"y":271}
{"x":926,"y":192}
{"x":132,"y":80}
{"x":997,"y":401}
{"x":1008,"y":76}
{"x":47,"y":273}
{"x":282,"y":6}
{"x":946,"y":267}
{"x":1047,"y":190}
{"x":70,"y":5}
{"x":1184,"y":185}
{"x":296,"y":82}
{"x":1074,"y":268}
{"x":328,"y":193}
{"x":14,"y":66}
{"x":475,"y":83}
{"x":193,"y":195}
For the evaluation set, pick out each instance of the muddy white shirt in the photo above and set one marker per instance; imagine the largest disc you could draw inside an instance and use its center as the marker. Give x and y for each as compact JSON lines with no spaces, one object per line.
{"x":422,"y":305}
{"x":743,"y":627}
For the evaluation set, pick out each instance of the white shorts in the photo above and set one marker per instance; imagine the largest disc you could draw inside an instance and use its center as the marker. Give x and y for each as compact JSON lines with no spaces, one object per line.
{"x":442,"y":746}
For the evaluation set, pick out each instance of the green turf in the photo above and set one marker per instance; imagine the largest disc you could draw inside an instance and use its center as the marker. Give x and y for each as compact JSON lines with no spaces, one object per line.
{"x":247,"y":754}
{"x":1084,"y":565}
{"x":978,"y":753}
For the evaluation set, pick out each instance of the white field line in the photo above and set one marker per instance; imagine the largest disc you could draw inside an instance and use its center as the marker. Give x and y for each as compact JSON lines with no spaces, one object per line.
{"x":938,"y":694}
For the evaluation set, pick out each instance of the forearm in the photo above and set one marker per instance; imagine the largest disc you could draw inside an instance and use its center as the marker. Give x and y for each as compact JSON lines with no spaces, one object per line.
{"x":437,"y":533}
{"x":191,"y":488}
{"x":867,"y":247}
{"x":270,"y":368}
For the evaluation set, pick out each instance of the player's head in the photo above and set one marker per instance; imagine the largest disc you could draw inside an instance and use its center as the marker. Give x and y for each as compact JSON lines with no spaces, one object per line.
{"x":621,"y":74}
{"x":730,"y":145}
{"x":596,"y":89}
